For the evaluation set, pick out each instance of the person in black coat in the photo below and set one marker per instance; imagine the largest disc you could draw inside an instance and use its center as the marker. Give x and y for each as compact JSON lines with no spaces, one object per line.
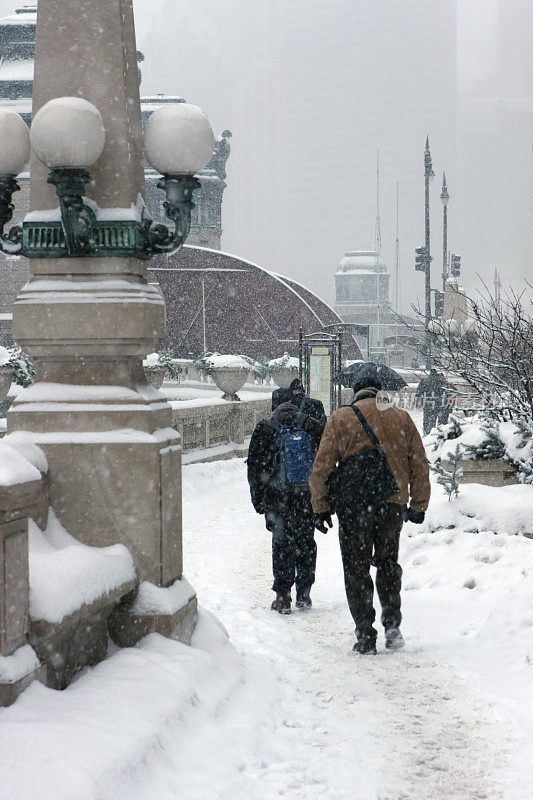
{"x":309,"y":405}
{"x":287,"y":510}
{"x":432,"y":390}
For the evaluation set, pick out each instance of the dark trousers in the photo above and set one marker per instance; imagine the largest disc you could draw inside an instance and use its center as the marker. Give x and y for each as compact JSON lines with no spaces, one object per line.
{"x":293,"y":546}
{"x":373,"y":537}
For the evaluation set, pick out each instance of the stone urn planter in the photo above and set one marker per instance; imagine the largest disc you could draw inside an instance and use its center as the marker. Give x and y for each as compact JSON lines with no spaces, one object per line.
{"x":155,"y":375}
{"x":229,"y":380}
{"x":283,"y":370}
{"x":283,"y":376}
{"x":488,"y":472}
{"x":6,"y":378}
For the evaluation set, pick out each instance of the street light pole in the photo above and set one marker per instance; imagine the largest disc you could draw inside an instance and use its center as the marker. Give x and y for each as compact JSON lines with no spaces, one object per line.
{"x":428,"y":176}
{"x":445,"y":197}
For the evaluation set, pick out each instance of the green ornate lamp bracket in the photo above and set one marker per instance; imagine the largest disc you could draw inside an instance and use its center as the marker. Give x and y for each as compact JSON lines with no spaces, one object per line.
{"x":178,"y":207}
{"x":70,"y":184}
{"x":78,"y":232}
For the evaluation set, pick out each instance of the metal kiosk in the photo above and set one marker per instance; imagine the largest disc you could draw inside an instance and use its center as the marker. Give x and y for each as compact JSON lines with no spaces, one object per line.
{"x":320,"y":364}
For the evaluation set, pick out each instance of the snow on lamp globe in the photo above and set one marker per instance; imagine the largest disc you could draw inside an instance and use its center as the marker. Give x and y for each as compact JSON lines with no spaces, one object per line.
{"x":178,"y":139}
{"x":68,"y":133}
{"x":14,"y":142}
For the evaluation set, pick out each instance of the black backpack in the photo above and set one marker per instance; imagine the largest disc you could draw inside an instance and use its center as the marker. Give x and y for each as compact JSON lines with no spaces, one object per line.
{"x":363,"y":481}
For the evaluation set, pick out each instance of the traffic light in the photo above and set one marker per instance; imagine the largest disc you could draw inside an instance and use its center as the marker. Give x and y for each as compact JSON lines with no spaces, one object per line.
{"x":439,"y":303}
{"x":455,"y":265}
{"x":421,"y":259}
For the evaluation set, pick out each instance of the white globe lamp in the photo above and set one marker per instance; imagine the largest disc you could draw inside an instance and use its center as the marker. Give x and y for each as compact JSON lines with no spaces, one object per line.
{"x":178,"y":139}
{"x":68,"y":132}
{"x":14,"y":142}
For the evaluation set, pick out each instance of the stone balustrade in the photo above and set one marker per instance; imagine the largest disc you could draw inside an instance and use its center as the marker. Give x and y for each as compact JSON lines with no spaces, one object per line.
{"x":215,"y":429}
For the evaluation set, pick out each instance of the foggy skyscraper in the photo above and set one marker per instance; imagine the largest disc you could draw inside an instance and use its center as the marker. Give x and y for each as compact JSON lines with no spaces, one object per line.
{"x":334,"y":82}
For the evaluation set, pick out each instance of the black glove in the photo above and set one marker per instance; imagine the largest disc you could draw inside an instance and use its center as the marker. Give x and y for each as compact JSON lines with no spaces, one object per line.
{"x":259,"y":506}
{"x":412,"y":515}
{"x":321,"y":520}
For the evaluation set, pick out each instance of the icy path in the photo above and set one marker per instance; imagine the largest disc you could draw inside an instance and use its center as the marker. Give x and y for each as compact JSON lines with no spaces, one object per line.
{"x":284,"y":709}
{"x":337,"y":725}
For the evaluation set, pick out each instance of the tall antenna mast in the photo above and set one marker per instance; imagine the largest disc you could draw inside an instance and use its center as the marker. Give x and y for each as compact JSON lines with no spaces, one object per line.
{"x":378,"y":256}
{"x":397,"y":299}
{"x":497,"y":288}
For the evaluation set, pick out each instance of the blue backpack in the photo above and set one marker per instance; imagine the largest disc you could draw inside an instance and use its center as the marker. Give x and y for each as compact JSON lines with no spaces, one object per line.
{"x":293,"y":454}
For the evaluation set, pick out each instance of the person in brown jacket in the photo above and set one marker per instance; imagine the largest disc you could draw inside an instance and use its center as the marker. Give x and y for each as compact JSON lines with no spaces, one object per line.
{"x":372,"y":534}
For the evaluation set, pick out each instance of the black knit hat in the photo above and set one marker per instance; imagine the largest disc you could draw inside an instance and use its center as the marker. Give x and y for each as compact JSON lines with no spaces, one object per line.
{"x":280,"y":396}
{"x":367,"y":376}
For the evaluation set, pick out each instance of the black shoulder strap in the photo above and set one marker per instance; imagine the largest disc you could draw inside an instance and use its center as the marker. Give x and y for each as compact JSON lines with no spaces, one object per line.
{"x":370,"y":433}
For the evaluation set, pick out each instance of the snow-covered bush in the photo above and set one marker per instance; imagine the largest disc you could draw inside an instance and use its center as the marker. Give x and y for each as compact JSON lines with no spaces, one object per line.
{"x":484,"y":437}
{"x":443,"y":433}
{"x":155,"y":361}
{"x":284,"y":362}
{"x":448,"y":478}
{"x":24,"y":374}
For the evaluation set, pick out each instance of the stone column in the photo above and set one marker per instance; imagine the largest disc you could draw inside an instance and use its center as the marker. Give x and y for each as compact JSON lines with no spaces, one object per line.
{"x":114,"y":460}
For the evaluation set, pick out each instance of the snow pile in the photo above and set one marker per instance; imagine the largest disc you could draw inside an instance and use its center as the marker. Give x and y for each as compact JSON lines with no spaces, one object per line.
{"x":14,"y":467}
{"x":151,"y":360}
{"x":152,"y":599}
{"x":506,"y":509}
{"x":23,"y":442}
{"x":5,"y":356}
{"x":107,"y":735}
{"x":18,"y":665}
{"x":65,"y":574}
{"x":216,"y":361}
{"x":472,"y":436}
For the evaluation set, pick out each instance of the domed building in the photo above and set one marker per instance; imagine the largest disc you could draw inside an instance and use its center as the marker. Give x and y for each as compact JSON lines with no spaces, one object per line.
{"x":223,"y":303}
{"x":356,"y":300}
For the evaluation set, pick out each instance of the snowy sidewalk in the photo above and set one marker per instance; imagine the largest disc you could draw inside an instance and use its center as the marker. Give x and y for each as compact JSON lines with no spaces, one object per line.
{"x":284,"y":708}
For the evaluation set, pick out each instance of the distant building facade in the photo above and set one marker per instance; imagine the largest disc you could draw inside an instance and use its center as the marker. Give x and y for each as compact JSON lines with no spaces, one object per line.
{"x":17,"y":52}
{"x":393,"y":338}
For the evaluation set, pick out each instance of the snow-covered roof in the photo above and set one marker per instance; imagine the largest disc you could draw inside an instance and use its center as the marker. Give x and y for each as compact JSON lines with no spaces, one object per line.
{"x":19,"y":70}
{"x":360,"y":260}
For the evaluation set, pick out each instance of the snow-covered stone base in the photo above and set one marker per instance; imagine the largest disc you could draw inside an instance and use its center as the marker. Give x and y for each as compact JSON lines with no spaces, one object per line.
{"x":17,"y":671}
{"x":170,"y":611}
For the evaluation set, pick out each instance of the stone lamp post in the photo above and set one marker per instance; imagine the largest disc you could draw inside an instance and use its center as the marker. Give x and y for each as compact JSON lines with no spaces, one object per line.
{"x":88,"y":315}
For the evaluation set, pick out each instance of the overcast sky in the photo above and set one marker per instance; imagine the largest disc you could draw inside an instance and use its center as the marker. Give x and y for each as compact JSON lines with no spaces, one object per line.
{"x":191,"y":50}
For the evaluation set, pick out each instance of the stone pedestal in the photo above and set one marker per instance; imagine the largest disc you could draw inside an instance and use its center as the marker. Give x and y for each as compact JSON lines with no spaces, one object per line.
{"x":114,"y":461}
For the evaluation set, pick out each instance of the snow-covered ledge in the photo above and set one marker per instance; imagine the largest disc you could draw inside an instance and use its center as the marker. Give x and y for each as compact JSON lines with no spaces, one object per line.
{"x":170,"y":611}
{"x":22,"y":492}
{"x":56,"y":594}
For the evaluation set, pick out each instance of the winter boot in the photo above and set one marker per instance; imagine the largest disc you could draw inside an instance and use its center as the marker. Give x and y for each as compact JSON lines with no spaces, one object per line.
{"x":282,"y":604}
{"x":365,"y":647}
{"x":304,"y":601}
{"x":394,"y":639}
